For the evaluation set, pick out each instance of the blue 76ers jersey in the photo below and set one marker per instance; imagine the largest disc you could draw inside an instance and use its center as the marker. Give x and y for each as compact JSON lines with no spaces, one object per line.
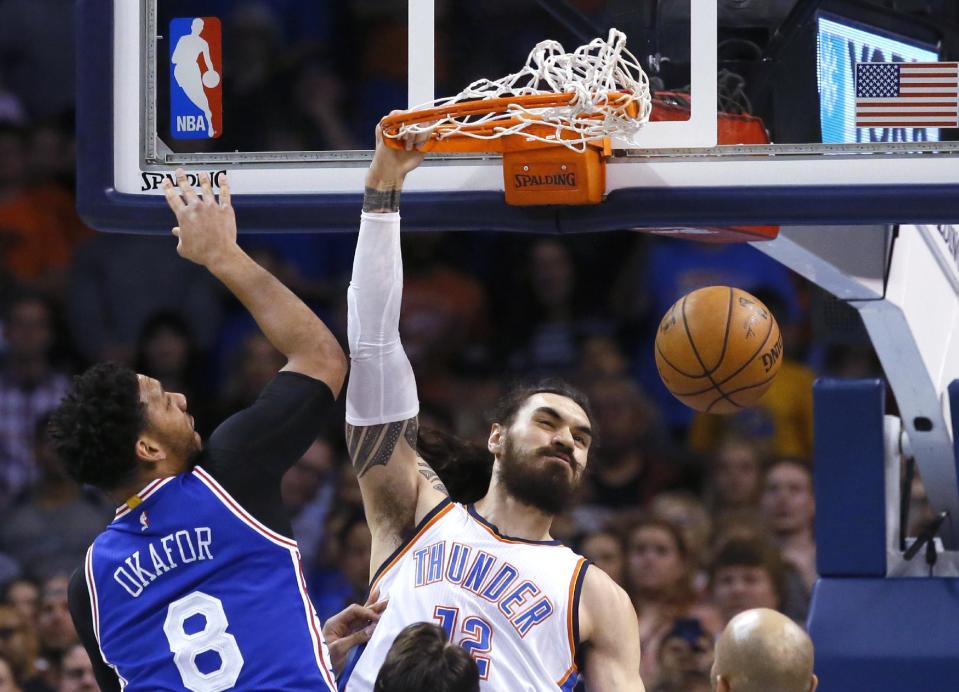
{"x":188,"y":591}
{"x":512,"y":604}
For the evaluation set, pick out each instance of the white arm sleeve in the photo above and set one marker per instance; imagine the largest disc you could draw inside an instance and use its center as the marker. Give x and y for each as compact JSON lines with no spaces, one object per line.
{"x":381,"y":388}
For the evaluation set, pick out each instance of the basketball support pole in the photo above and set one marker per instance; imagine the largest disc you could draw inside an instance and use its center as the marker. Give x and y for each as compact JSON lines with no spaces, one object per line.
{"x":881,"y":622}
{"x":904,"y":282}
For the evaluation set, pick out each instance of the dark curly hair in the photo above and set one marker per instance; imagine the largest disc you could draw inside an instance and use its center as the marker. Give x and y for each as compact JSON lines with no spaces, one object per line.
{"x":96,"y":426}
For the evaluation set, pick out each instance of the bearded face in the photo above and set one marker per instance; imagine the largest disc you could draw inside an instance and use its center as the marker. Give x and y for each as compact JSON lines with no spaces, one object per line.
{"x":542,"y":454}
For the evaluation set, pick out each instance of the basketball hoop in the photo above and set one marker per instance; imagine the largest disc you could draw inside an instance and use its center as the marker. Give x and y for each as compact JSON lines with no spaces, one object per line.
{"x":552,"y":120}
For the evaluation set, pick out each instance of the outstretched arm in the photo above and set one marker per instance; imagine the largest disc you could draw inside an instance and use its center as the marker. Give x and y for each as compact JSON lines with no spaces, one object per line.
{"x":207,"y":235}
{"x":610,"y":629}
{"x":381,"y":401}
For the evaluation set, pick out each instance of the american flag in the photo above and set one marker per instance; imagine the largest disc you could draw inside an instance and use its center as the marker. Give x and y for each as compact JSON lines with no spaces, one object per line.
{"x":907,"y":94}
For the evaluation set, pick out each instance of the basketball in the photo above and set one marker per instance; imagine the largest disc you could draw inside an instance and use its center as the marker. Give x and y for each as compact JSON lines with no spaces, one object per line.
{"x":211,"y":79}
{"x":718,"y":349}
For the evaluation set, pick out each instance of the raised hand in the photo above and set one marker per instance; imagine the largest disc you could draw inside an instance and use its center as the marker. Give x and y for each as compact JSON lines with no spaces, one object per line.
{"x":206,"y":227}
{"x":388,"y":171}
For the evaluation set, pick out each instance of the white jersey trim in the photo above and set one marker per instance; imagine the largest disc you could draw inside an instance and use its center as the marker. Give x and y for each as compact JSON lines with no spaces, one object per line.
{"x":237,"y":509}
{"x":138,"y":499}
{"x":313,"y":623}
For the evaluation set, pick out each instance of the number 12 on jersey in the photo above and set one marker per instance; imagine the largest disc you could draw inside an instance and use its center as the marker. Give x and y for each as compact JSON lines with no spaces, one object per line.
{"x":475,"y":635}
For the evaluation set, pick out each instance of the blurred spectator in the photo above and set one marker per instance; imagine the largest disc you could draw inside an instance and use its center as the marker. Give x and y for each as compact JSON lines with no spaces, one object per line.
{"x":167,"y":351}
{"x":320,"y":95}
{"x":921,"y":513}
{"x":315,"y":266}
{"x":659,"y":581}
{"x":687,"y":649}
{"x":630,"y":464}
{"x":691,"y":682}
{"x":444,"y":319}
{"x":24,"y":595}
{"x":688,"y":513}
{"x":602,"y":358}
{"x":348,"y":502}
{"x":307,"y":489}
{"x":382,"y":60}
{"x":50,"y":529}
{"x":35,"y":225}
{"x":51,"y":170}
{"x":9,"y":570}
{"x":256,"y":363}
{"x":7,"y":682}
{"x":54,"y":625}
{"x":747,"y":573}
{"x":37,"y":45}
{"x":259,"y":83}
{"x":851,"y":362}
{"x":238,"y":325}
{"x":11,"y":106}
{"x":76,"y":672}
{"x":605,"y":549}
{"x":52,"y":162}
{"x":29,"y":389}
{"x":18,"y":646}
{"x":119,"y":281}
{"x":735,"y":476}
{"x":789,"y":508}
{"x":347,"y":580}
{"x":551,"y":317}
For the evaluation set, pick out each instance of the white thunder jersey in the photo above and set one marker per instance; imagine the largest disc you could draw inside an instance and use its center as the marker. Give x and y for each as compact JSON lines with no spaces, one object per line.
{"x":512,"y":604}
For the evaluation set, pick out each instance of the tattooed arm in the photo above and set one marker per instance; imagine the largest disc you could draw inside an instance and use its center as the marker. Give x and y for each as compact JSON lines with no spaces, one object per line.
{"x":398,"y":487}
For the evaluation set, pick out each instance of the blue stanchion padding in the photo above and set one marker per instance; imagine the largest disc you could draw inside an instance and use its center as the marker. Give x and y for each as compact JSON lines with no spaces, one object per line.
{"x":954,"y":414}
{"x":849,"y":477}
{"x":886,"y":635}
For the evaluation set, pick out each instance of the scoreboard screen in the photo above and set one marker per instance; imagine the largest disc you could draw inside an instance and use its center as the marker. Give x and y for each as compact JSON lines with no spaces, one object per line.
{"x":841,"y":44}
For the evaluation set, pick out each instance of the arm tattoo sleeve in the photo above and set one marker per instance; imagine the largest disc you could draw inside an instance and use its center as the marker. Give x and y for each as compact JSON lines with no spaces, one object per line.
{"x":381,"y":200}
{"x":430,"y":475}
{"x":373,"y":445}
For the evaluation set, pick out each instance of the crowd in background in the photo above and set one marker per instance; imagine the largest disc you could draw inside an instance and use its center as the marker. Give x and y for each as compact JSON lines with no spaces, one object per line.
{"x":697,"y":517}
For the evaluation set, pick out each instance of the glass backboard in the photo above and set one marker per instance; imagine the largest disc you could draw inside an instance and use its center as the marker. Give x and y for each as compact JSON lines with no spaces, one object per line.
{"x":754,"y":120}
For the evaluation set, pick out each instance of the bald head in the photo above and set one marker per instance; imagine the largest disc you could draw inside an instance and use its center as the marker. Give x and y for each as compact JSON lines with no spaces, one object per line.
{"x":762,"y":650}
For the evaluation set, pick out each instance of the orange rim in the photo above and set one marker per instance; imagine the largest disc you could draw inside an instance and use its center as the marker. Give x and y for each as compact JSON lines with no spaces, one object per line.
{"x":392,"y":123}
{"x":465,"y":137}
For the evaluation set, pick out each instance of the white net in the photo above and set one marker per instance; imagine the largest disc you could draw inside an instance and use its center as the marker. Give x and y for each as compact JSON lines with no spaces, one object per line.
{"x":590,"y":73}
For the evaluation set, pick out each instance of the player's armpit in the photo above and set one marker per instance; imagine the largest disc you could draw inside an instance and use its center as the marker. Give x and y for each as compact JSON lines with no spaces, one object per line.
{"x":385,"y":466}
{"x":398,"y":487}
{"x":610,"y":629}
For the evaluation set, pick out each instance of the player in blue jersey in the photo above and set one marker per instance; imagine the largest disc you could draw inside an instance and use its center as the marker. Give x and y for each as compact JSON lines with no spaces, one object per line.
{"x":197,"y":583}
{"x":489,"y":573}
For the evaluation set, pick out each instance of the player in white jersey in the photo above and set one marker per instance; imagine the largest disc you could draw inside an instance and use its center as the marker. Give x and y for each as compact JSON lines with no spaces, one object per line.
{"x":490,"y":573}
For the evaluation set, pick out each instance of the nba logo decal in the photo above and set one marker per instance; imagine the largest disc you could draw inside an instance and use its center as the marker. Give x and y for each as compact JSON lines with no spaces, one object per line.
{"x":196,"y":83}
